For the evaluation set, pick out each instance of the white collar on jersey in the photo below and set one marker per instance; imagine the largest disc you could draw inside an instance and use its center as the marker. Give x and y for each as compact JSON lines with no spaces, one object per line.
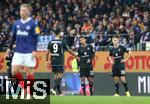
{"x":25,"y":21}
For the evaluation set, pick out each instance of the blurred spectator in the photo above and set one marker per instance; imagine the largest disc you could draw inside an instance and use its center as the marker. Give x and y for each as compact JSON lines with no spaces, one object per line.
{"x":98,"y":20}
{"x":145,"y":35}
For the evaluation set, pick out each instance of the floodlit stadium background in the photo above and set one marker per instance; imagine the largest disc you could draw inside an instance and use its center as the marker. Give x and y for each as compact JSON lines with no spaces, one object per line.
{"x":98,"y":20}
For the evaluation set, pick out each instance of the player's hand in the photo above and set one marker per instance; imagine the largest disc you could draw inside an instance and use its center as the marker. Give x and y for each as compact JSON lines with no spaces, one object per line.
{"x":34,"y":53}
{"x":123,"y":60}
{"x":88,"y":60}
{"x":7,"y":54}
{"x":48,"y":64}
{"x":112,"y":62}
{"x":78,"y":59}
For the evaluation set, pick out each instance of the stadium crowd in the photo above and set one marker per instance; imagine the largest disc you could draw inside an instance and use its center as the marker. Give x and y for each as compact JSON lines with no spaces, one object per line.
{"x":98,"y":20}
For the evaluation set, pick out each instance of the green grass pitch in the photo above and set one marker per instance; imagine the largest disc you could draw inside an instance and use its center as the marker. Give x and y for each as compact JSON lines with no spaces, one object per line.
{"x":81,"y":100}
{"x":99,"y":100}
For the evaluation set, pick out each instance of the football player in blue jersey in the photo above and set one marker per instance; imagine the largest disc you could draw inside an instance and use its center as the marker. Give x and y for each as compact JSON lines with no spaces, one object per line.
{"x":24,"y":35}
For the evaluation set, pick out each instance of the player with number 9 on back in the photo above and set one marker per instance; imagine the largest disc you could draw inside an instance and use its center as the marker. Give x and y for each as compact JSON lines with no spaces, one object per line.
{"x":55,"y":58}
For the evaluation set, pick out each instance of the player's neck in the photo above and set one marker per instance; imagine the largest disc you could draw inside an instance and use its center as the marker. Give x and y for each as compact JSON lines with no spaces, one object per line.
{"x":25,"y":18}
{"x":84,"y":45}
{"x":116,"y":46}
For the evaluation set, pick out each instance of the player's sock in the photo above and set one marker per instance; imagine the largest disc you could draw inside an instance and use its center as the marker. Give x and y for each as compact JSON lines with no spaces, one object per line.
{"x":58,"y":88}
{"x":91,"y":87}
{"x":57,"y":82}
{"x":19,"y":77}
{"x":116,"y":87}
{"x":83,"y":87}
{"x":125,"y":86}
{"x":30,"y":77}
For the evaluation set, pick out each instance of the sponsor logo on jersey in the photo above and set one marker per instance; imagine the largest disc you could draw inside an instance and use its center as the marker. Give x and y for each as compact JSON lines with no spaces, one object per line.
{"x":23,"y":33}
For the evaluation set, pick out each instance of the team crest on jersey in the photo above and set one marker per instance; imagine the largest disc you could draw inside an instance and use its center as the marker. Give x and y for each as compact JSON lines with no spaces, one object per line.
{"x":85,"y":53}
{"x":116,"y":54}
{"x":18,"y":26}
{"x":119,"y":49}
{"x":27,"y":27}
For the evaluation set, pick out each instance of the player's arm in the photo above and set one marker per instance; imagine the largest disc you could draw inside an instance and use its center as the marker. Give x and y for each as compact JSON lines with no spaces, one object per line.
{"x":72,"y":53}
{"x":36,"y":32}
{"x":69,"y":50}
{"x":128,"y":55}
{"x":12,"y":41}
{"x":48,"y":56}
{"x":110,"y":57}
{"x":93,"y":52}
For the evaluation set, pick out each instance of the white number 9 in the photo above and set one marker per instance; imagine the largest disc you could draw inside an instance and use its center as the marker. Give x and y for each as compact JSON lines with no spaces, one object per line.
{"x":55,"y":48}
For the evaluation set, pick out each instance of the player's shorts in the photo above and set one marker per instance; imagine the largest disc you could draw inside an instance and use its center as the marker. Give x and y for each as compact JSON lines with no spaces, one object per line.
{"x":9,"y":72}
{"x":56,"y":69}
{"x":88,"y":72}
{"x":23,"y":59}
{"x":118,"y":69}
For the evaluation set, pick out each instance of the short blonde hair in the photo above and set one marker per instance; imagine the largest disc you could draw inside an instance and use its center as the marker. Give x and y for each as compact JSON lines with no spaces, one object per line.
{"x":26,"y":6}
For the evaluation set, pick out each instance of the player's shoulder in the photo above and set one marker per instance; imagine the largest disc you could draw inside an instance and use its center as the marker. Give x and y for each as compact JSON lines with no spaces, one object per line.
{"x":122,"y":47}
{"x":17,"y":22}
{"x":89,"y":45}
{"x":110,"y":48}
{"x":32,"y":22}
{"x":57,"y":41}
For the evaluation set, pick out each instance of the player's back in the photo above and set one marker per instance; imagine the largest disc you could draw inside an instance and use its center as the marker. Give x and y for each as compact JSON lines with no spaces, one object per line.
{"x":57,"y":48}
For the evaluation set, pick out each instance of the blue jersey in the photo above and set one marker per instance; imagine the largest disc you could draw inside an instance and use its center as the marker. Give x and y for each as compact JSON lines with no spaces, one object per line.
{"x":25,"y":35}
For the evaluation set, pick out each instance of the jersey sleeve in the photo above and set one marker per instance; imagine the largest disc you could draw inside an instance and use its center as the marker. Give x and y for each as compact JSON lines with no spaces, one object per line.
{"x":92,"y":51}
{"x":65,"y":46}
{"x":78,"y":52}
{"x":110,"y":51}
{"x":13,"y":37}
{"x":125,"y":49}
{"x":36,"y":31}
{"x":49,"y":46}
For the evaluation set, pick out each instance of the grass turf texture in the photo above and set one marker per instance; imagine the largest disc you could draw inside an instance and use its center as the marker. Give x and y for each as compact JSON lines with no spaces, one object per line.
{"x":3,"y":100}
{"x":99,"y":100}
{"x":81,"y":100}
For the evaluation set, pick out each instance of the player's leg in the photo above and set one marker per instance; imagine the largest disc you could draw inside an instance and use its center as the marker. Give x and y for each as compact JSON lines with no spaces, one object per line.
{"x":29,"y":64}
{"x":115,"y":74}
{"x":17,"y":61}
{"x":82,"y":75}
{"x":30,"y":77}
{"x":125,"y":84}
{"x":60,"y":76}
{"x":55,"y":81}
{"x":116,"y":85}
{"x":90,"y":80}
{"x":123,"y":78}
{"x":83,"y":85}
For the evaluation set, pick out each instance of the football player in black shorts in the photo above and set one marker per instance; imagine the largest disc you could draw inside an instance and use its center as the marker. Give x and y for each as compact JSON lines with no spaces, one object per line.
{"x":8,"y":64}
{"x":86,"y":54}
{"x":116,"y":57}
{"x":55,"y":58}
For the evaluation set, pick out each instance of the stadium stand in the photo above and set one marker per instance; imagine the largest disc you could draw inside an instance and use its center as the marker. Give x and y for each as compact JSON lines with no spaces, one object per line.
{"x":98,"y":20}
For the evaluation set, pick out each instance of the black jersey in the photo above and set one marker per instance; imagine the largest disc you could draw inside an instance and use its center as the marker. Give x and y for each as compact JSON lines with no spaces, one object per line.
{"x":118,"y":53}
{"x":57,"y":48}
{"x":85,"y":54}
